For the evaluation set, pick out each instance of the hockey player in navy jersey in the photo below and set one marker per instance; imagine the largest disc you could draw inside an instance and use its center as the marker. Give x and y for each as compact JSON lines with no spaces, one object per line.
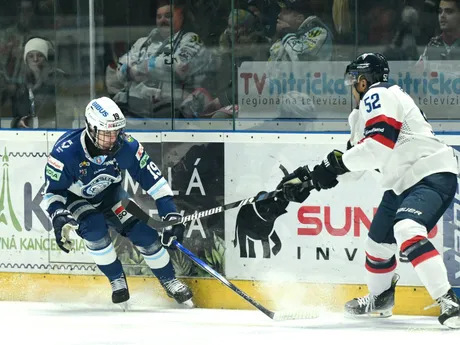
{"x":83,"y":193}
{"x":419,"y":174}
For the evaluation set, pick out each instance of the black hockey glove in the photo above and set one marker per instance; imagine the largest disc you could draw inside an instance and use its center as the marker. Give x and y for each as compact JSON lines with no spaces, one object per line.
{"x":63,"y":224}
{"x":324,"y":175}
{"x":296,"y":186}
{"x":174,"y":232}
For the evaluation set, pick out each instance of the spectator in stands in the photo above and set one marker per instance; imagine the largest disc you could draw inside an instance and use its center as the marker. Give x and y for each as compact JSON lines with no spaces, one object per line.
{"x":12,"y":40}
{"x":146,"y":69}
{"x":404,"y":43}
{"x":301,"y":36}
{"x":446,"y":46}
{"x":243,"y":40}
{"x":34,"y":99}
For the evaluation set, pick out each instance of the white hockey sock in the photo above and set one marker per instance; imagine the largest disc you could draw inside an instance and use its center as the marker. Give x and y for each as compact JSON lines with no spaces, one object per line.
{"x":380,"y":266}
{"x":158,"y":260}
{"x":430,"y":268}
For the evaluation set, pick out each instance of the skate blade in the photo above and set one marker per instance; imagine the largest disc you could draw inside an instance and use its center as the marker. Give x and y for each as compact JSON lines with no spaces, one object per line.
{"x":123,"y":305}
{"x":380,"y":314}
{"x":453,"y":322}
{"x":188,"y":303}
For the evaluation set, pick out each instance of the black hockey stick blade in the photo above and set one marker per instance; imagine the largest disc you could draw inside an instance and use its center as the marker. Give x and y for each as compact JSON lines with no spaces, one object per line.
{"x":130,"y":207}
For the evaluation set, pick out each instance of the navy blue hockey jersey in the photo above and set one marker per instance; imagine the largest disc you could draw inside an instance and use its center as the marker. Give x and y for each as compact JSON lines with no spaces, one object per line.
{"x":71,"y":170}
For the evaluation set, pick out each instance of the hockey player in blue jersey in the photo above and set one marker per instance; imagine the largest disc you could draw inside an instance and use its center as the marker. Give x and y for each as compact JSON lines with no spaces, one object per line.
{"x":83,"y":194}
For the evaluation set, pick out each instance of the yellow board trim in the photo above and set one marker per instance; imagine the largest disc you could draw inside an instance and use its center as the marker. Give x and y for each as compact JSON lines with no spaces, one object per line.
{"x":208,"y":292}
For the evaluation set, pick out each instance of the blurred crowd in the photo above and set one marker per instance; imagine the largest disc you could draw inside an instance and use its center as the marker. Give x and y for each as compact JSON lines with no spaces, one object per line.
{"x":158,"y":60}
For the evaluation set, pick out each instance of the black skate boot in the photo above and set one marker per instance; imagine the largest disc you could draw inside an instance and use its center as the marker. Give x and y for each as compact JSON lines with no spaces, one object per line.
{"x":179,"y":291}
{"x":450,"y":309}
{"x":379,"y":306}
{"x":120,"y":292}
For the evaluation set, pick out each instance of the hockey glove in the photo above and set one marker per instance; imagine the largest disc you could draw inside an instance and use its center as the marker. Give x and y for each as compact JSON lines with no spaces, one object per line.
{"x":174,"y":232}
{"x":324,"y":175}
{"x":63,"y":224}
{"x":294,"y":186}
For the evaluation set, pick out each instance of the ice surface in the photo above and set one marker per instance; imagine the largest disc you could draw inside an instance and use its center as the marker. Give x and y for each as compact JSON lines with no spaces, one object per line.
{"x":66,"y":324}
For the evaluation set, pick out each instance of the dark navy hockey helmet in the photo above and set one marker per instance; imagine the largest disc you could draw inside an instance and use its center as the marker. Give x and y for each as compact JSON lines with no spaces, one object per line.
{"x":372,"y":66}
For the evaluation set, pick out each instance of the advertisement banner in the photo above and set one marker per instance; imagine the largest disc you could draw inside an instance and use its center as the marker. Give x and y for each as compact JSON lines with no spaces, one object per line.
{"x":452,"y":237}
{"x":434,"y":86}
{"x":319,"y":241}
{"x":26,"y":241}
{"x":195,"y":173}
{"x":268,"y":90}
{"x":305,"y":90}
{"x":194,"y":170}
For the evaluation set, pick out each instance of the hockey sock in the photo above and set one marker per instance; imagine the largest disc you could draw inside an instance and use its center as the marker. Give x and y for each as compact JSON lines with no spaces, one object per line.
{"x":423,"y":255}
{"x":380,"y":266}
{"x":159,"y":261}
{"x":107,"y":261}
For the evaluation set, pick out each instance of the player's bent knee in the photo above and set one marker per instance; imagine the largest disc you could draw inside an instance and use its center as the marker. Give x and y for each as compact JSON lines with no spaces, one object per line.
{"x":408,"y":233}
{"x":102,"y":251}
{"x":141,"y":235}
{"x":380,"y":250}
{"x":93,"y":227}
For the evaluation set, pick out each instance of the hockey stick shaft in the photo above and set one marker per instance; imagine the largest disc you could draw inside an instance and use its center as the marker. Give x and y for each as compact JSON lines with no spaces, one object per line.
{"x":130,"y":206}
{"x":222,"y":279}
{"x":156,"y":223}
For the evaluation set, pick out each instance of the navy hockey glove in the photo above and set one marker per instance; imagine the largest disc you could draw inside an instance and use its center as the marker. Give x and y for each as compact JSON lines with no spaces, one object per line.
{"x":295,"y":186}
{"x":174,"y":232}
{"x":324,"y":175}
{"x":63,"y":224}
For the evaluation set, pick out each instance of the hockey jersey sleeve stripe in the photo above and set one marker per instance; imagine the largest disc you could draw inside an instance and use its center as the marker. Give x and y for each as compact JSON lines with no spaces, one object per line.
{"x":49,"y":198}
{"x":160,"y":189}
{"x":383,"y":118}
{"x":383,"y":129}
{"x":382,"y":139}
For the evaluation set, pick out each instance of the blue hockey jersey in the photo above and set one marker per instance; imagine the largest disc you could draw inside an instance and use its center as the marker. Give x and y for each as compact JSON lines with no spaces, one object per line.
{"x":71,"y":171}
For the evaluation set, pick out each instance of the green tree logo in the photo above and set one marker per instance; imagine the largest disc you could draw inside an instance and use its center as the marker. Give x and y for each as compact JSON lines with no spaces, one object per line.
{"x":6,"y":189}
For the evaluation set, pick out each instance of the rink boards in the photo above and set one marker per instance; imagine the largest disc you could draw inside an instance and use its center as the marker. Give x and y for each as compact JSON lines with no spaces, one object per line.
{"x":311,"y":252}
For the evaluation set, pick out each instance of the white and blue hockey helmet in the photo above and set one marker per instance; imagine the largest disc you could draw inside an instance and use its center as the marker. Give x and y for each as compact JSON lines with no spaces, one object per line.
{"x":104,"y":125}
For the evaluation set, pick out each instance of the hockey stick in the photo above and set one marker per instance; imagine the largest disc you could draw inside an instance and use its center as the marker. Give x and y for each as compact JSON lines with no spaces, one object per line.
{"x":130,"y":206}
{"x":277,"y":316}
{"x":137,"y":212}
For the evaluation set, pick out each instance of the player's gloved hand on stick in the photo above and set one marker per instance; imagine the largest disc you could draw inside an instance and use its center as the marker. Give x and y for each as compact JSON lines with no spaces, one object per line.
{"x":174,"y":232}
{"x":63,"y":224}
{"x":295,"y":186}
{"x":324,"y":175}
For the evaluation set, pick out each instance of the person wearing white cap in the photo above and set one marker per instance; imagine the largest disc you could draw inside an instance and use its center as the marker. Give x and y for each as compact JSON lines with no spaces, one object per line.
{"x":34,"y":102}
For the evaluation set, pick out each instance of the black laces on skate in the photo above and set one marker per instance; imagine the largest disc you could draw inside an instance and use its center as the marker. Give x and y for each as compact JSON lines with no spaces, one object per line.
{"x":118,"y":284}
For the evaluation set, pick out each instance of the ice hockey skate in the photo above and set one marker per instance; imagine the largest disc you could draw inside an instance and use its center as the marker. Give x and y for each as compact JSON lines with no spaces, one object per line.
{"x":179,"y":291}
{"x":120,"y":292}
{"x":371,"y":305}
{"x":450,"y":310}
